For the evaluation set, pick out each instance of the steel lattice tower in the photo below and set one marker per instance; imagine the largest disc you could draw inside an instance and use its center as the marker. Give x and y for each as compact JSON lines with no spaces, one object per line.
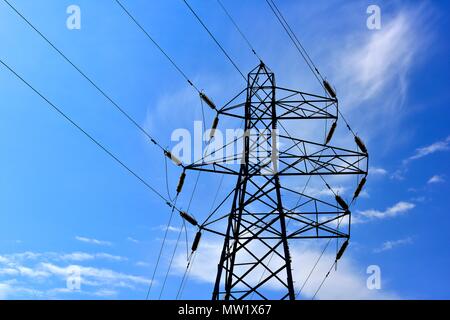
{"x":261,"y":126}
{"x":255,"y":257}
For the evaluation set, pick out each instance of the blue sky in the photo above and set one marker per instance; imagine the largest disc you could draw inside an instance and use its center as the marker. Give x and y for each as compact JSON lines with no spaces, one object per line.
{"x":65,"y":203}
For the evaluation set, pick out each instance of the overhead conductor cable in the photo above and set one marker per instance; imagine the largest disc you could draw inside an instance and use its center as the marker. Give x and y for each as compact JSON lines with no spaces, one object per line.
{"x":84,"y":75}
{"x":239,"y":30}
{"x":97,"y":143}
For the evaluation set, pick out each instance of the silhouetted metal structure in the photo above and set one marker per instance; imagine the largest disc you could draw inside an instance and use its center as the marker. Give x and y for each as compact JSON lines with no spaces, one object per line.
{"x":255,"y":257}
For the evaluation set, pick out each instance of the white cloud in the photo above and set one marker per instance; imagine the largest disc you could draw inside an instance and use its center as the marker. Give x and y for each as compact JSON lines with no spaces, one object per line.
{"x":95,"y":276}
{"x":27,"y":255}
{"x":93,"y":241}
{"x":15,"y":258}
{"x":142,"y":264}
{"x":169,"y":228}
{"x":14,"y":267}
{"x":399,"y":208}
{"x":436,"y":179}
{"x":376,"y":64}
{"x":4,"y":260}
{"x":389,"y":245}
{"x":384,"y":58}
{"x":108,"y":256}
{"x":438,"y":146}
{"x":317,"y":191}
{"x":77,"y":256}
{"x":32,"y":273}
{"x":4,"y":290}
{"x":349,"y":282}
{"x":133,"y":240}
{"x":106,"y":293}
{"x":374,"y":171}
{"x":83,"y":256}
{"x":9,"y":272}
{"x":33,"y":267}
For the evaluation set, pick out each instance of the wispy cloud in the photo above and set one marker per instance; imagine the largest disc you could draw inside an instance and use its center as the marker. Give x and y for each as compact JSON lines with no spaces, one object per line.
{"x":385,"y":57}
{"x":435,"y":179}
{"x":438,"y":146}
{"x":4,"y":290}
{"x":133,"y":240}
{"x":95,"y":276}
{"x":169,"y":228}
{"x":443,"y":145}
{"x":93,"y":241}
{"x":376,"y":171}
{"x":105,"y":293}
{"x":389,"y":245}
{"x":316,"y":192}
{"x":347,"y":283}
{"x":27,"y":269}
{"x":399,"y":208}
{"x":83,"y":256}
{"x":142,"y":264}
{"x":56,"y":256}
{"x":376,"y":64}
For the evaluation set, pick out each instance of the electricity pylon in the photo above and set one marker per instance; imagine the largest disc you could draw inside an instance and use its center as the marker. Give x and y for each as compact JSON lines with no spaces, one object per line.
{"x":255,"y":259}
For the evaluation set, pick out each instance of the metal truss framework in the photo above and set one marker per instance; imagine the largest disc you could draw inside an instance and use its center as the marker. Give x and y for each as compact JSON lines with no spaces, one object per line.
{"x":256,"y":237}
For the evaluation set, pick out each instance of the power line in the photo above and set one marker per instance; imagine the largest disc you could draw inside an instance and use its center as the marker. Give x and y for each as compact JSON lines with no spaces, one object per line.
{"x":301,"y":49}
{"x":313,"y":268}
{"x":298,"y":41}
{"x":102,"y":92}
{"x":215,"y":40}
{"x":323,"y":281}
{"x":186,"y":274}
{"x":153,"y":140}
{"x":238,"y":29}
{"x":315,"y":265}
{"x":287,"y":28}
{"x":171,"y":260}
{"x":96,"y":142}
{"x":160,"y":253}
{"x":183,"y":74}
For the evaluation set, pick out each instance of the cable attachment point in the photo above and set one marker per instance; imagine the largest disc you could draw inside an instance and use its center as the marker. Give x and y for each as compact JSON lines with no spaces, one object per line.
{"x":359,"y":188}
{"x":196,"y":241}
{"x":360,"y":144}
{"x":342,"y":250}
{"x":331,"y":132}
{"x":188,"y":218}
{"x":208,"y":101}
{"x":181,"y":182}
{"x":212,"y":132}
{"x":174,"y":159}
{"x":329,"y":89}
{"x":341,"y":202}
